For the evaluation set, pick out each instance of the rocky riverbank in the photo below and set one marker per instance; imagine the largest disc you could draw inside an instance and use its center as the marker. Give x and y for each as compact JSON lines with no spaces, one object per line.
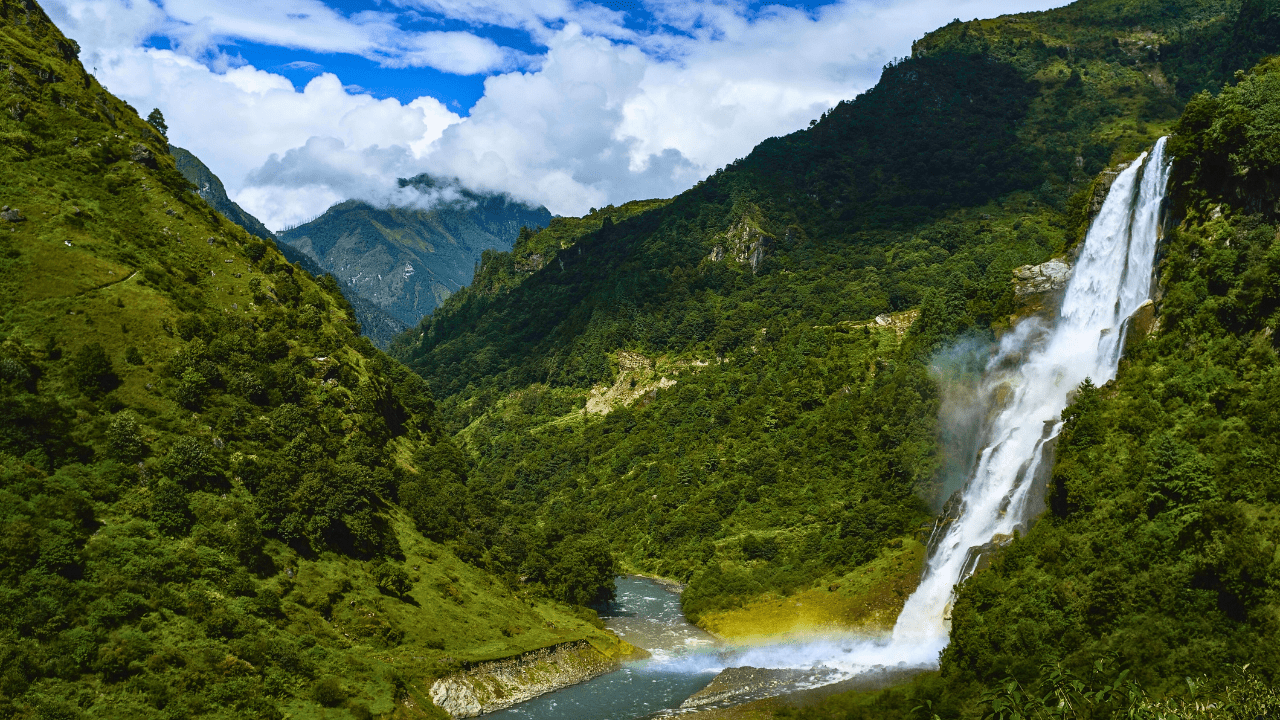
{"x":499,"y":684}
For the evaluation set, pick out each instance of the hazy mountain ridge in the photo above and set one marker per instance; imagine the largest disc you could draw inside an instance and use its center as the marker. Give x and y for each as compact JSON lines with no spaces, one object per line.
{"x":210,"y":188}
{"x":407,"y":261}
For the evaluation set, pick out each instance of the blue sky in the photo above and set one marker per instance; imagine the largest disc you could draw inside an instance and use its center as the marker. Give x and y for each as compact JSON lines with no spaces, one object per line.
{"x":573,"y":104}
{"x":458,"y":92}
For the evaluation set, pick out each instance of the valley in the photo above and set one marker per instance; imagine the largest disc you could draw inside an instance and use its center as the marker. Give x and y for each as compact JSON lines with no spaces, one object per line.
{"x":962,"y":402}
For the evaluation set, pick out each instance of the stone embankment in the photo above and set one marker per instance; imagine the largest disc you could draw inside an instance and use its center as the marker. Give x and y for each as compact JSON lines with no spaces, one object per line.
{"x":500,"y":684}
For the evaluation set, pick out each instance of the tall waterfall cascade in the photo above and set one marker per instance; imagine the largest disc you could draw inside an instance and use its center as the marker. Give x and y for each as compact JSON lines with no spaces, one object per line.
{"x":1034,"y":373}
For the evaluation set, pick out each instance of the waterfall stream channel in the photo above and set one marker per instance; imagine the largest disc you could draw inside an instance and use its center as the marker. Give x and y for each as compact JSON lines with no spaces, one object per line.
{"x":1028,"y":380}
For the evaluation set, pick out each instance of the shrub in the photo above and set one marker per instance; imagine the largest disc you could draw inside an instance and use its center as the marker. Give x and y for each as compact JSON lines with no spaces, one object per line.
{"x":91,"y":370}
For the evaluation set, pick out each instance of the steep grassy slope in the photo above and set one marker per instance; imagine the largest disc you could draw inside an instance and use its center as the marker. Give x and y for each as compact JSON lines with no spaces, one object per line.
{"x":212,"y":490}
{"x":794,"y":418}
{"x":408,"y":260}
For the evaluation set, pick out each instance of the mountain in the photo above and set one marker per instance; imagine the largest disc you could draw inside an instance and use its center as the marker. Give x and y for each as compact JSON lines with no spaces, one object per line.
{"x":210,"y":189}
{"x":216,"y":498}
{"x":742,"y":386}
{"x":375,"y":324}
{"x":406,"y":261}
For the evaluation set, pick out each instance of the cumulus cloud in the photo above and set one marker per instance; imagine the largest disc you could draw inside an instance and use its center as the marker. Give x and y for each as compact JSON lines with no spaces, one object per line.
{"x":606,"y":114}
{"x":258,"y":114}
{"x":305,"y":181}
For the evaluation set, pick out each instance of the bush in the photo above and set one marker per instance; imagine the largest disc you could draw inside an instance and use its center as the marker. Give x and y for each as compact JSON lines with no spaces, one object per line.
{"x":391,"y":579}
{"x":91,"y":370}
{"x":123,"y":442}
{"x":328,"y":691}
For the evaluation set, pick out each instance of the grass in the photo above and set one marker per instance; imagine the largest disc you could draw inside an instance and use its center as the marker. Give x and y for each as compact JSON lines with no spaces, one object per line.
{"x":866,"y":599}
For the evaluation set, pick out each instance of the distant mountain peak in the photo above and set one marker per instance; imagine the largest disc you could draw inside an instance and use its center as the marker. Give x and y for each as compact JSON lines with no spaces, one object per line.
{"x":405,"y":259}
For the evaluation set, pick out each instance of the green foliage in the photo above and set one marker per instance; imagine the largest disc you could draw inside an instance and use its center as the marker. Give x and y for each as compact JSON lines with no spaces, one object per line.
{"x":156,"y":119}
{"x":91,"y":370}
{"x":974,"y":156}
{"x":194,"y":495}
{"x":1226,"y":144}
{"x":391,"y":578}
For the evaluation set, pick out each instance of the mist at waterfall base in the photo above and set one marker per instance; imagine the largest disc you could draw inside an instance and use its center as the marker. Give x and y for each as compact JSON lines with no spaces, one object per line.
{"x":1002,"y":409}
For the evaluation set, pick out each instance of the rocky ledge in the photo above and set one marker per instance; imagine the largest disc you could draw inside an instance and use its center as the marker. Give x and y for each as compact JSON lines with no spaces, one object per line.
{"x":500,"y":684}
{"x":735,"y":686}
{"x":1037,"y":288}
{"x":1051,"y":276}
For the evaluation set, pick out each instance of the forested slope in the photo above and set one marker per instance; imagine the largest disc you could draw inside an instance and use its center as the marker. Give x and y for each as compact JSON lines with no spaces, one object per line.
{"x":798,"y":439}
{"x":1154,"y":573}
{"x":211,"y":488}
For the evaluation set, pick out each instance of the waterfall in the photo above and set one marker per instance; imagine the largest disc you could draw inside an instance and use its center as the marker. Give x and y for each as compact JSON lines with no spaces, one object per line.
{"x":1026,"y":384}
{"x":1029,"y":381}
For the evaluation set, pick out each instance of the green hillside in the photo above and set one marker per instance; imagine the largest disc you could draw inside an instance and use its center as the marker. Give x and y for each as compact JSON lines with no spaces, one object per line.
{"x":214,"y":494}
{"x":405,"y":260}
{"x":739,"y":386}
{"x":793,"y":414}
{"x":1151,"y":586}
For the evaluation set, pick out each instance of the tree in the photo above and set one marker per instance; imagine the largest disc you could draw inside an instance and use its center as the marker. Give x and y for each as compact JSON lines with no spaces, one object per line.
{"x":156,"y":118}
{"x":91,"y":370}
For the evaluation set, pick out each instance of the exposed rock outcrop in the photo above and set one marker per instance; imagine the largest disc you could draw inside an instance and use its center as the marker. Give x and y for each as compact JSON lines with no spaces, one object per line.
{"x":1037,"y":288}
{"x":637,"y":380}
{"x":1141,"y":324}
{"x":744,"y":242}
{"x":502,"y":683}
{"x":737,"y":685}
{"x":1051,"y":276}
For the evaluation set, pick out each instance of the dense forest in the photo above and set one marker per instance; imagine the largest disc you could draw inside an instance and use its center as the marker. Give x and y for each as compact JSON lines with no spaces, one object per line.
{"x":735,"y":386}
{"x":794,"y":417}
{"x":1154,"y":570}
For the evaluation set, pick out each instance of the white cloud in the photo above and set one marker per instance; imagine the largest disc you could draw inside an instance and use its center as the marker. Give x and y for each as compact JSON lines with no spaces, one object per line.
{"x":454,"y":52}
{"x":604,"y":116}
{"x":198,"y":27}
{"x":256,"y":114}
{"x":537,"y":17}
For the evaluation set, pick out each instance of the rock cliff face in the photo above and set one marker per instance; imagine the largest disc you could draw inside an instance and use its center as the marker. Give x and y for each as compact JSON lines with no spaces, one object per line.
{"x":502,"y":683}
{"x":744,"y":242}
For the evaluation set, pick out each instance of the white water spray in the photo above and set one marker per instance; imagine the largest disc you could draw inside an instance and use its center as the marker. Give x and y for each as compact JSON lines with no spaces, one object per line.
{"x":1028,"y":382}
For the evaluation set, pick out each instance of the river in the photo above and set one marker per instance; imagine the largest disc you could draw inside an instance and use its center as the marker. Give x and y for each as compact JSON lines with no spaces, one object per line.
{"x":684,"y":660}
